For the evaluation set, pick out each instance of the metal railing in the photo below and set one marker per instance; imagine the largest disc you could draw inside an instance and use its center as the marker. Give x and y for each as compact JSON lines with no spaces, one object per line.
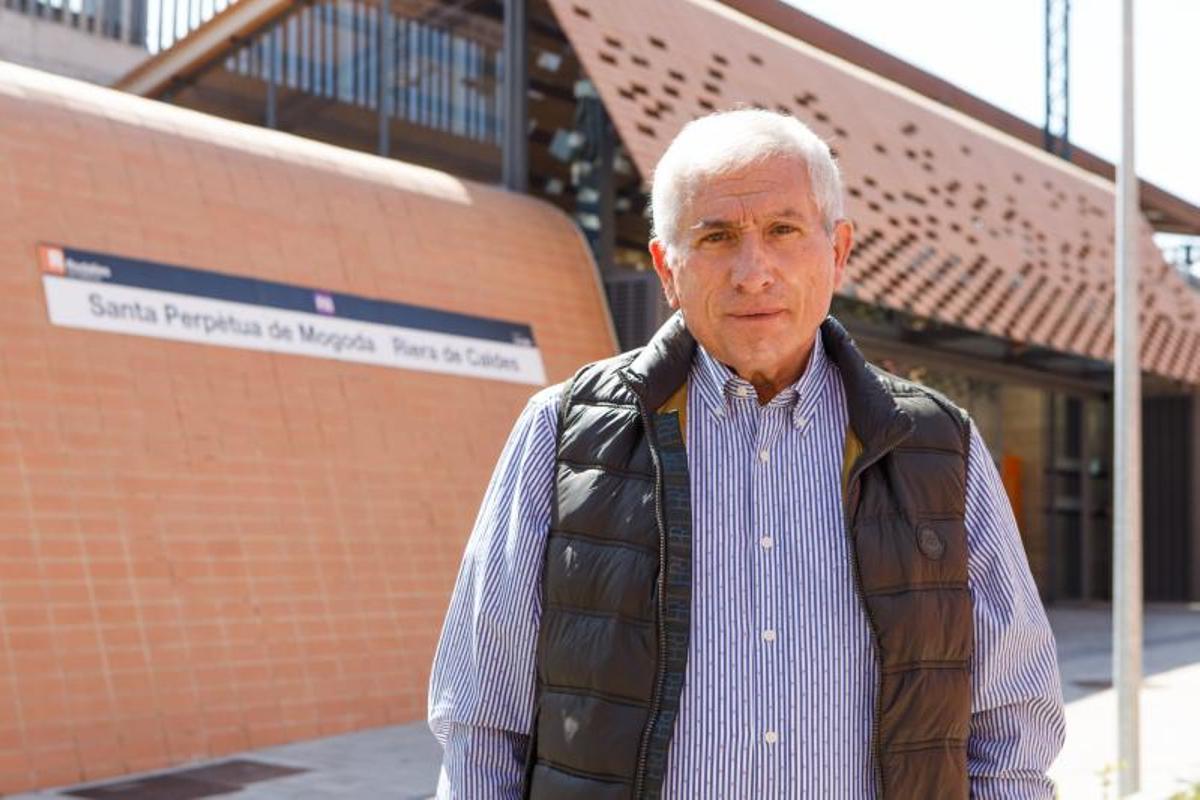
{"x":151,"y":24}
{"x":443,"y":77}
{"x":1184,"y":254}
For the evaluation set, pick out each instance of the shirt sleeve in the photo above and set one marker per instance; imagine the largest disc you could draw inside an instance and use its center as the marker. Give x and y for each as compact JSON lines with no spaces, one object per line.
{"x":481,"y":690}
{"x":1017,"y":724}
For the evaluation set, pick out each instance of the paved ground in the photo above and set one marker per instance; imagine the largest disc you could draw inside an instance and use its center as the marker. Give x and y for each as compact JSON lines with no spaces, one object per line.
{"x":400,"y":763}
{"x":1170,"y":702}
{"x":394,"y":763}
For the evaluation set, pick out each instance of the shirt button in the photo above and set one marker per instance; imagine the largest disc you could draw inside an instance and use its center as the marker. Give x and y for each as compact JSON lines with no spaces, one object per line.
{"x":771,"y":736}
{"x":763,"y":455}
{"x":767,"y":542}
{"x":768,"y":635}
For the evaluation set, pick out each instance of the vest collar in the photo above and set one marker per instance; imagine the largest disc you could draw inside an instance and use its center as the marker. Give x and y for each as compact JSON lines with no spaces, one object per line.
{"x":875,"y":416}
{"x":663,"y":365}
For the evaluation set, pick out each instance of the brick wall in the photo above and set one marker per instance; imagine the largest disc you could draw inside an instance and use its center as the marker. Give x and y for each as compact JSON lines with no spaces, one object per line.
{"x":202,"y":549}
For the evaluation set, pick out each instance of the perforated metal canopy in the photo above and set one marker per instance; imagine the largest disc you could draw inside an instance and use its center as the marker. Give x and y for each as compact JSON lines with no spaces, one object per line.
{"x":956,"y":222}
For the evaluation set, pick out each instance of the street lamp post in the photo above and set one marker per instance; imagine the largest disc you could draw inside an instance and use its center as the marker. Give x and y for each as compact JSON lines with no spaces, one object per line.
{"x":1127,"y":486}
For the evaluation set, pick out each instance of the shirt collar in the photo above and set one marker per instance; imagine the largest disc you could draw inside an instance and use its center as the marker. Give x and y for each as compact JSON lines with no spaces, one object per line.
{"x":723,"y":391}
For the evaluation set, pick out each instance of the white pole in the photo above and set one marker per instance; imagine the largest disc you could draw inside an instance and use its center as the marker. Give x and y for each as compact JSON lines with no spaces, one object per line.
{"x":1127,"y":430}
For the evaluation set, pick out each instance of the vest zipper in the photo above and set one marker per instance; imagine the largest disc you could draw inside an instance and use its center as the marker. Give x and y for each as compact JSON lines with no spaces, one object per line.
{"x":660,"y":669}
{"x":852,"y":488}
{"x":876,"y":750}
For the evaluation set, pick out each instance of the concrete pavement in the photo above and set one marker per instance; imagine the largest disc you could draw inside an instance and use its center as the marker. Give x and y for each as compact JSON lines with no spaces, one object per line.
{"x":401,"y":762}
{"x":1170,"y":702}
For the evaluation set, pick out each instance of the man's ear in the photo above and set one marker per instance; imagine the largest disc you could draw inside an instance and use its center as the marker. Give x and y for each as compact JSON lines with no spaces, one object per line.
{"x":658,"y":253}
{"x":843,"y":243}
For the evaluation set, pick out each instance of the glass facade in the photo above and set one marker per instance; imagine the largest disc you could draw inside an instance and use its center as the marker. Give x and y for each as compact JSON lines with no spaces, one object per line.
{"x":153,"y":24}
{"x":415,"y":81}
{"x":1079,"y":492}
{"x":1052,"y":452}
{"x":422,"y":81}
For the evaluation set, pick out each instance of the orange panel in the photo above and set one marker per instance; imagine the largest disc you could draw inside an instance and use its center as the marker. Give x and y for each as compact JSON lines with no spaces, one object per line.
{"x":956,"y":221}
{"x":1010,"y":475}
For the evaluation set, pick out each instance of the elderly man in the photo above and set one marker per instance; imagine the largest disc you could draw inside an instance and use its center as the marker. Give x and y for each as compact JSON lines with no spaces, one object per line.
{"x":741,"y":562}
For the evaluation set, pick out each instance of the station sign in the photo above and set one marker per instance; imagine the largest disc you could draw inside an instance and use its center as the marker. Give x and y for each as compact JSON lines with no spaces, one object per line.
{"x":114,"y":294}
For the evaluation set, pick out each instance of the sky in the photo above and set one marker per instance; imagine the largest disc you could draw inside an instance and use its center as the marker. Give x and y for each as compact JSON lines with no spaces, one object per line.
{"x":995,"y":49}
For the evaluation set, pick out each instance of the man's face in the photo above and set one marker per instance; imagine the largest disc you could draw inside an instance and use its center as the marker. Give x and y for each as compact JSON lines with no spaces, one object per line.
{"x":755,"y":270}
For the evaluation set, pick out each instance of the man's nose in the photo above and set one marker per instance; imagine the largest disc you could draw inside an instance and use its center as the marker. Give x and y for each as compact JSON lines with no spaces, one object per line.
{"x":751,"y":271}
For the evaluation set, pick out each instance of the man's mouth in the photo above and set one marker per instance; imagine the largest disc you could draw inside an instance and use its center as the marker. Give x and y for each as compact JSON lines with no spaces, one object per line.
{"x":755,"y":315}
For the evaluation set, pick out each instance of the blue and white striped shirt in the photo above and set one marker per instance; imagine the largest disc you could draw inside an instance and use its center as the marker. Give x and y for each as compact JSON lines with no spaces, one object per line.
{"x":781,"y":679}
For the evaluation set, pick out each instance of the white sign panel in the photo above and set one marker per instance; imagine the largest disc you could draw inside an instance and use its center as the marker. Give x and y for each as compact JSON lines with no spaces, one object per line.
{"x":116,"y":295}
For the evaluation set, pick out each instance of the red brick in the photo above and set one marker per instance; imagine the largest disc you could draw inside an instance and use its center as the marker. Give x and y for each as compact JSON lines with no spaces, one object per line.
{"x":204,"y":549}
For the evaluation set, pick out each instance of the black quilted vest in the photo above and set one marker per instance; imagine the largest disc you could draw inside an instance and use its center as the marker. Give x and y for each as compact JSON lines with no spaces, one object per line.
{"x":613,"y":642}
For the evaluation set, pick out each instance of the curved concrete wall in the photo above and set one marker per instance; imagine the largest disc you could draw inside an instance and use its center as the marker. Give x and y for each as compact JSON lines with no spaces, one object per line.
{"x":203,"y":549}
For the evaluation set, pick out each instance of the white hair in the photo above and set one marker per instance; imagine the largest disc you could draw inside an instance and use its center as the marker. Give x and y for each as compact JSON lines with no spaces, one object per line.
{"x":731,"y":140}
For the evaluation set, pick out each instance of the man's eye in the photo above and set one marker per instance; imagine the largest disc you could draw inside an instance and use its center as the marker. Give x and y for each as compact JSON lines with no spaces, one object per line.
{"x":782,"y":229}
{"x":715,"y":236}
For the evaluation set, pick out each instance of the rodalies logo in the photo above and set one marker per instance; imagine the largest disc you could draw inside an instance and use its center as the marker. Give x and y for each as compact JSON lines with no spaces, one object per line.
{"x":324,"y":303}
{"x":52,"y":259}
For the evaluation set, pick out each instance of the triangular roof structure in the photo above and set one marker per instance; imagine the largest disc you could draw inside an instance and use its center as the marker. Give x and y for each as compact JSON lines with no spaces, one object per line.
{"x":959,"y":221}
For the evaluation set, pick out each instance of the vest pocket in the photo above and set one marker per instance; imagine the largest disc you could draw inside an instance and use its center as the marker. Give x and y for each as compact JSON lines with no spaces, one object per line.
{"x":923,"y":625}
{"x":580,"y":732}
{"x":922,"y":706}
{"x":549,"y":783}
{"x":937,"y":771}
{"x":606,"y":577}
{"x":898,"y":556}
{"x":598,"y":653}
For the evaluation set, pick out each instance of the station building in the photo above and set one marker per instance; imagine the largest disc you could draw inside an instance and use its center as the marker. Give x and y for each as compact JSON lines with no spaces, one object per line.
{"x":215,"y":539}
{"x":982,"y":266}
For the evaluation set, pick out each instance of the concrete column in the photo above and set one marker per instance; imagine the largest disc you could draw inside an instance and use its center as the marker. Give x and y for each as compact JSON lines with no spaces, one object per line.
{"x":387,"y":56}
{"x":1194,"y":501}
{"x":272,"y":74}
{"x":515,"y":167}
{"x":606,"y":240}
{"x":127,"y":21}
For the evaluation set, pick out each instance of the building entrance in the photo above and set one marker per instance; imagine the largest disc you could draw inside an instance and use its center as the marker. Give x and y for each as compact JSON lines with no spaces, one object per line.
{"x":1078,"y":497}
